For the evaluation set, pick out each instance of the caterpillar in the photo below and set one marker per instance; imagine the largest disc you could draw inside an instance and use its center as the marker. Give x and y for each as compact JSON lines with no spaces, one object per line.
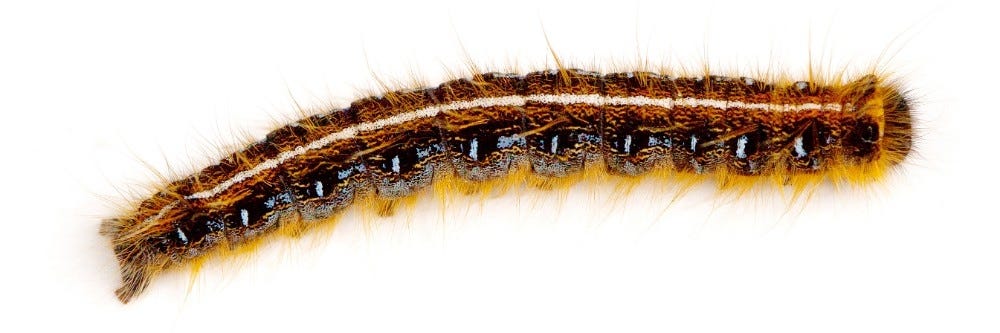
{"x":549,"y":125}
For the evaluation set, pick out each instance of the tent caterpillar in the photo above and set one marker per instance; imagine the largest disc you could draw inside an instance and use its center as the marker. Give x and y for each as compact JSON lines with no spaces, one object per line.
{"x":552,"y":124}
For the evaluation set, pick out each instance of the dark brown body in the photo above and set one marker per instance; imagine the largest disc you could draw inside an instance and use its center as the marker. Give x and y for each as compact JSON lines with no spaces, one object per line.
{"x":870,"y":131}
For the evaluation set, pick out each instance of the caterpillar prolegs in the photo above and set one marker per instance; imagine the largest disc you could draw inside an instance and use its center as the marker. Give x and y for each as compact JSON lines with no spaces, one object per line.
{"x":553,"y":124}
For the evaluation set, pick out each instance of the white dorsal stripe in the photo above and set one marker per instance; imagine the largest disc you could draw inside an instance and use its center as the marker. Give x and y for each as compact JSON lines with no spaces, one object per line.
{"x":512,"y":100}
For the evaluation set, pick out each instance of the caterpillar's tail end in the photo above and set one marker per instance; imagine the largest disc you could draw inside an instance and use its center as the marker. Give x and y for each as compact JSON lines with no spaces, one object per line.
{"x":133,"y":263}
{"x":133,"y":283}
{"x":110,"y":227}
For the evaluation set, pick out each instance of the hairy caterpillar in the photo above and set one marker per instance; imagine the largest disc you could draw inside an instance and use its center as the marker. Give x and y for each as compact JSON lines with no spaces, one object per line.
{"x":549,"y":124}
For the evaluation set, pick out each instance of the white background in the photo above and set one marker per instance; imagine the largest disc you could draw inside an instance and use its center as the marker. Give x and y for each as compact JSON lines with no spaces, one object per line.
{"x":96,"y":95}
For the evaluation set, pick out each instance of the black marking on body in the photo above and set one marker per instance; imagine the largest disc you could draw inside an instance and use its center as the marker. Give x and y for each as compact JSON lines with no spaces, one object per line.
{"x":564,"y":139}
{"x":482,"y":143}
